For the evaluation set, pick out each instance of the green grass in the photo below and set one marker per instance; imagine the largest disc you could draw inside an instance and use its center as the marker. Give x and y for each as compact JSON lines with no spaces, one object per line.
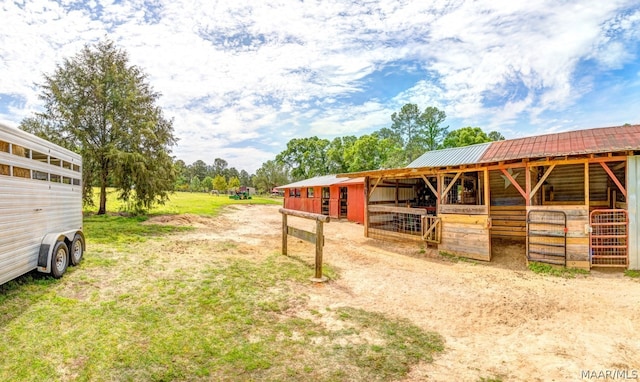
{"x":547,"y":269}
{"x":110,"y":229}
{"x":454,"y":259}
{"x":198,"y":203}
{"x":490,"y":379}
{"x":128,"y":313}
{"x":632,"y":273}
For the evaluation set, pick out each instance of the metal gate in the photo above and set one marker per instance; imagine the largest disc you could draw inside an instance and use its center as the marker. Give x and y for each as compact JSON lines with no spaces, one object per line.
{"x":609,"y":238}
{"x":547,"y":237}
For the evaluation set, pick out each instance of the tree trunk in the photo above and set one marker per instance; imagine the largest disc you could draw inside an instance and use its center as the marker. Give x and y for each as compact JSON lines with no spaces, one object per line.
{"x":103,"y":190}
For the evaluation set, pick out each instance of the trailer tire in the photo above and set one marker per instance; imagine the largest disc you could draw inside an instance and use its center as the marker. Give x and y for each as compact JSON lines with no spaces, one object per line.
{"x":59,"y":259}
{"x":76,"y":251}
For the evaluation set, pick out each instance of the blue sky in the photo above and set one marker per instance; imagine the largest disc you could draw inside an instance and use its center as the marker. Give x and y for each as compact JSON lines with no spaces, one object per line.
{"x":241,"y":78}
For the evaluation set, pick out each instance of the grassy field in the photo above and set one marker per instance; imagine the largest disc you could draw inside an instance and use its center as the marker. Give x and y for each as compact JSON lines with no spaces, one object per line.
{"x":130,"y":312}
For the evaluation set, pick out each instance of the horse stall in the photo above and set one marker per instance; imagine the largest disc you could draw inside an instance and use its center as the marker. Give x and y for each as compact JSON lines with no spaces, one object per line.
{"x":566,"y":199}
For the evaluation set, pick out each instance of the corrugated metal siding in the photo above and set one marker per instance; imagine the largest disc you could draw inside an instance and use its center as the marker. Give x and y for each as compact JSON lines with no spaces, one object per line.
{"x":633,"y":208}
{"x":30,"y":208}
{"x":600,"y":140}
{"x":451,"y":157}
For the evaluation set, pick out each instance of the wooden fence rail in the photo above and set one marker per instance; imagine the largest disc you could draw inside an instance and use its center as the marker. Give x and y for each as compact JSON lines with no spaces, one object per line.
{"x":316,"y":238}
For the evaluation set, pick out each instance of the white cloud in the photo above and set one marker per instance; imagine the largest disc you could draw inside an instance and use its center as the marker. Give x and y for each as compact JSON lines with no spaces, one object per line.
{"x":242,"y":77}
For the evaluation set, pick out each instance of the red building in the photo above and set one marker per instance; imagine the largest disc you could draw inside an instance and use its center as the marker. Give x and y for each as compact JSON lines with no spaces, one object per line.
{"x":339,"y":198}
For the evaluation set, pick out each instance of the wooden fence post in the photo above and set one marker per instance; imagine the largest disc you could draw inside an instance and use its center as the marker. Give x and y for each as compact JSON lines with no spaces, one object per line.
{"x":316,"y":238}
{"x":284,"y":234}
{"x":319,"y":245}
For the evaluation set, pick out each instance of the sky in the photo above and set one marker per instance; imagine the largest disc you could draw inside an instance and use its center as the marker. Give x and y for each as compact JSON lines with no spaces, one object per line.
{"x":241,"y":78}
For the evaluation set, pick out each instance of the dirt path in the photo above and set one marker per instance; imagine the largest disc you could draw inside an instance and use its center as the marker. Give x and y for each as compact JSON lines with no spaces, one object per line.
{"x":498,"y":320}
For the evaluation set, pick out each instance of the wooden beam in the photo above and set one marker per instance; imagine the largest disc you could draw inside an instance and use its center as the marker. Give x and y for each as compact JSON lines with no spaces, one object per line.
{"x":527,"y":186}
{"x":541,"y":181}
{"x":619,"y":166}
{"x":455,"y":178}
{"x":426,"y":181}
{"x":487,"y":200}
{"x":586,"y":185}
{"x":614,"y":178}
{"x":515,"y":184}
{"x":306,"y":215}
{"x":366,"y":206}
{"x":374,"y":186}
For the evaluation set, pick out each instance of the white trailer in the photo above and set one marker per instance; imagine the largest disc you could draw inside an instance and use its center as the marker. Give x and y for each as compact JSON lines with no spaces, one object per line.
{"x":40,"y":206}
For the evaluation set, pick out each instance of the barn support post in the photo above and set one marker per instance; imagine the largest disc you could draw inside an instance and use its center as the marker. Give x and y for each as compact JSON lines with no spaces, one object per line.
{"x":316,"y":238}
{"x":366,"y":206}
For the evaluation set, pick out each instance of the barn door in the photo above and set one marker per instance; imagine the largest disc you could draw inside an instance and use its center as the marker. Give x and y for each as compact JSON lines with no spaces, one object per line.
{"x":609,"y":238}
{"x":343,"y":202}
{"x":547,"y":237}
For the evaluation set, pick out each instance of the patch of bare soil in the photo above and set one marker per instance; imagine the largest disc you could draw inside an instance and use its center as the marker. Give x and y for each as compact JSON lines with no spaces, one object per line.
{"x":499,"y":320}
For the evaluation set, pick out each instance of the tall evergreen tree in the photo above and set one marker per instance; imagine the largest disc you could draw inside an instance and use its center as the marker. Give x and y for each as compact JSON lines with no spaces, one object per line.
{"x":416,"y":131}
{"x":104,"y":108}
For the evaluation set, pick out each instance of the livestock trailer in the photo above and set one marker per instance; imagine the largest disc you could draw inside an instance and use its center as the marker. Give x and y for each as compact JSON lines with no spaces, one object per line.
{"x":40,"y":206}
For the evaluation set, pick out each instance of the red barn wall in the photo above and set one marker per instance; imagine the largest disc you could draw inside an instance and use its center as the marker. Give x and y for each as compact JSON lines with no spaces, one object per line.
{"x":355,"y":201}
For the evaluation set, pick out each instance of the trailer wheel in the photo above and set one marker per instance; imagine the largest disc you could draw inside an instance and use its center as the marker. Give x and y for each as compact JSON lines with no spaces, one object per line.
{"x":59,"y":259}
{"x":76,"y":250}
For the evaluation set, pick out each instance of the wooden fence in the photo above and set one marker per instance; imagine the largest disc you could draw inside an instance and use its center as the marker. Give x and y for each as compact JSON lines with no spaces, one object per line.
{"x":316,"y":238}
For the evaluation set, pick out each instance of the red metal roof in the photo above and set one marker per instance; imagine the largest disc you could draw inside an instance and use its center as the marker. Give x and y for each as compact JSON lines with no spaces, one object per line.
{"x":589,"y":141}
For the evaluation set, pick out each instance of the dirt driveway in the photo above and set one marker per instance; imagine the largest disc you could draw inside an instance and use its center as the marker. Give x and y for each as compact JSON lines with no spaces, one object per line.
{"x":499,"y":320}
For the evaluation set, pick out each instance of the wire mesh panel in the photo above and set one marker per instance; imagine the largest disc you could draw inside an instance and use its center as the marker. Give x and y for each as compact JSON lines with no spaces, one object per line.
{"x":609,"y":238}
{"x":395,"y":222}
{"x":547,"y":237}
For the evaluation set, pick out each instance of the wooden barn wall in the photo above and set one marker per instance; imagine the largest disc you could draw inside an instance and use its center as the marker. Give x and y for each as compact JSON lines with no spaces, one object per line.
{"x":466,"y":236}
{"x":355,"y":203}
{"x":385,"y":192}
{"x":598,"y":180}
{"x":633,"y":208}
{"x":503,"y":193}
{"x":577,"y":234}
{"x":508,"y":211}
{"x":567,"y":182}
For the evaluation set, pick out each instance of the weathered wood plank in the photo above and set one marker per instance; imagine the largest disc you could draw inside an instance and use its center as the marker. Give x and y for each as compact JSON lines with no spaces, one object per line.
{"x":465,"y":219}
{"x":394,"y":209}
{"x":508,"y":208}
{"x":463,"y":209}
{"x":306,"y":215}
{"x":302,"y":234}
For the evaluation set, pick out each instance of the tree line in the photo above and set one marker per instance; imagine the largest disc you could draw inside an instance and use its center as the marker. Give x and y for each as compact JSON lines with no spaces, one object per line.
{"x":199,"y":176}
{"x":100,"y":106}
{"x":412,"y":133}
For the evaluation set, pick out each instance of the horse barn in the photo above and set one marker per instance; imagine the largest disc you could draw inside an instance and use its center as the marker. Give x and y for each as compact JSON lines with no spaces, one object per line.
{"x":570,"y":198}
{"x":339,"y":198}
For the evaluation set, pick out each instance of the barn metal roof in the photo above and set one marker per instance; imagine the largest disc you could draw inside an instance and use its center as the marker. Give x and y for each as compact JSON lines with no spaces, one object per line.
{"x":451,"y":157}
{"x":589,"y":141}
{"x":318,"y":181}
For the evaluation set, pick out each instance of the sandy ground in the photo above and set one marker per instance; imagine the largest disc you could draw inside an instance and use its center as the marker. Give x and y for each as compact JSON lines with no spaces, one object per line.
{"x":498,"y":319}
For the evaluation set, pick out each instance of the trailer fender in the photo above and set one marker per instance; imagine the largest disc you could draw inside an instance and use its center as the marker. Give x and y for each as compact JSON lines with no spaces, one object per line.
{"x":46,"y":248}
